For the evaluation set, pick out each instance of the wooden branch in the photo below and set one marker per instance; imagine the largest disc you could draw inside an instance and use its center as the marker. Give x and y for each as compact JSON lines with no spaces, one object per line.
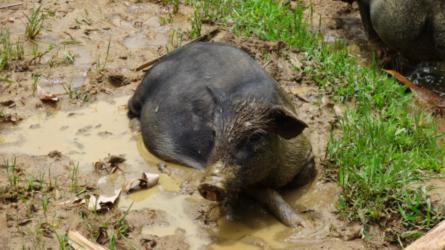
{"x":433,"y":240}
{"x":78,"y":242}
{"x":10,"y":5}
{"x":206,"y":37}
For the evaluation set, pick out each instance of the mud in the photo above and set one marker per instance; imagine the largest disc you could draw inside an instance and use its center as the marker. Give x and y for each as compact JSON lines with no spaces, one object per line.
{"x":89,"y":124}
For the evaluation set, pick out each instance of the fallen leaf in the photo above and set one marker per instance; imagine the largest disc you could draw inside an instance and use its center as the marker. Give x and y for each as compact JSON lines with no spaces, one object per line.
{"x":423,"y":94}
{"x":45,"y":96}
{"x":103,"y":202}
{"x":147,"y":180}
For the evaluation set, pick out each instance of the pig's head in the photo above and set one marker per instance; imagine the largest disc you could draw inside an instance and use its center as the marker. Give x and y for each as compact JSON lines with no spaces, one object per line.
{"x":249,"y":135}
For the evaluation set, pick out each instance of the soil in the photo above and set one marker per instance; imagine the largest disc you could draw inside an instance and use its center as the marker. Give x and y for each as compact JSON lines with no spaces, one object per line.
{"x":62,"y":149}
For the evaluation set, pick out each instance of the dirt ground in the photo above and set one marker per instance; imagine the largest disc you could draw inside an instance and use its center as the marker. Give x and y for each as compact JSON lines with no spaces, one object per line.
{"x":56,"y":156}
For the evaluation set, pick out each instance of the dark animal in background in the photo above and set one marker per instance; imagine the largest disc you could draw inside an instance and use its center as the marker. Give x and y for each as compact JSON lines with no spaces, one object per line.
{"x":415,"y":28}
{"x":210,"y":105}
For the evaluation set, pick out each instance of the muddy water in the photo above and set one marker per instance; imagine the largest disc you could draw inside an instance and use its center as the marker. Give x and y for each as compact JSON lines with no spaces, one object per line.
{"x":102,"y":128}
{"x":429,"y":75}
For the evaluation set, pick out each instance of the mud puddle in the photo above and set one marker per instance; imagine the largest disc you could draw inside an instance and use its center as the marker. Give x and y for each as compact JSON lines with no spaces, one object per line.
{"x":102,"y":129}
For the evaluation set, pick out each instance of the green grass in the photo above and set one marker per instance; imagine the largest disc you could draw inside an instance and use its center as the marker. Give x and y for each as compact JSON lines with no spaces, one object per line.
{"x":34,"y":23}
{"x":13,"y":174}
{"x":384,"y":149}
{"x":9,"y":51}
{"x":100,"y":65}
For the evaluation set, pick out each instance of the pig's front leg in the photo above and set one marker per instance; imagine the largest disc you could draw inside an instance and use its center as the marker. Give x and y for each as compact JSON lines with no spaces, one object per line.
{"x":276,"y":205}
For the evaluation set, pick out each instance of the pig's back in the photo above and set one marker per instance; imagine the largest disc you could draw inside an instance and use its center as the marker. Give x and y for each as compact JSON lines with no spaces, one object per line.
{"x":177,"y":113}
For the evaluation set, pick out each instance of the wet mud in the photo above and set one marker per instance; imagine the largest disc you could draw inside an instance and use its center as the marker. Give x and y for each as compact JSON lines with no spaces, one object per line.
{"x":51,"y":142}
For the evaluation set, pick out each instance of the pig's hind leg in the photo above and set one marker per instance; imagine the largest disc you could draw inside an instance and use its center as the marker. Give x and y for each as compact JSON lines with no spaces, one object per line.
{"x":276,"y":205}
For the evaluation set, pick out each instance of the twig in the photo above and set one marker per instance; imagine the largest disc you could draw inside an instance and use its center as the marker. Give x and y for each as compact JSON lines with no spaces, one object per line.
{"x":206,"y":37}
{"x":433,"y":240}
{"x":10,"y":5}
{"x":79,"y":242}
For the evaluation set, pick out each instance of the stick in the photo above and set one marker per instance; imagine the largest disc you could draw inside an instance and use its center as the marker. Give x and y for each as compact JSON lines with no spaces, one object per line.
{"x":10,"y":5}
{"x":433,"y":240}
{"x":78,"y":242}
{"x":206,"y":37}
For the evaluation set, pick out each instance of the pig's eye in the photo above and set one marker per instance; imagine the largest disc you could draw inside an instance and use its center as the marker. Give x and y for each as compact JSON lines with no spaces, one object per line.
{"x":256,"y":138}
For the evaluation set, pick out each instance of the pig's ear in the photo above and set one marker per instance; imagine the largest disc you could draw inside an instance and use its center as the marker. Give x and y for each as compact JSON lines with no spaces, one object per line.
{"x":285,"y":123}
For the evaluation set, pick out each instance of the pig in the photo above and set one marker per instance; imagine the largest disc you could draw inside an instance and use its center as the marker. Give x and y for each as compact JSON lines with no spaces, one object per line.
{"x":414,"y":28}
{"x":210,"y":106}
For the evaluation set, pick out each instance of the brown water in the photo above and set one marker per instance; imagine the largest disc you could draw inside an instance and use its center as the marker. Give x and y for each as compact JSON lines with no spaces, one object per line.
{"x":102,"y":128}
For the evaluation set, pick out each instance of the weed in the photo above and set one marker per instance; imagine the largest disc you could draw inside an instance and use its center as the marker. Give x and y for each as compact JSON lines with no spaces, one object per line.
{"x":74,"y":177}
{"x":167,"y":19}
{"x":13,"y":174}
{"x":112,"y":245}
{"x":50,"y":184}
{"x":9,"y":51}
{"x":384,"y":148}
{"x":69,"y":57}
{"x":35,"y":23}
{"x":62,"y":240}
{"x":37,"y":55}
{"x":121,"y":225}
{"x":35,"y":81}
{"x":30,"y":184}
{"x":5,"y":79}
{"x":175,"y":39}
{"x":76,"y":94}
{"x":100,"y":65}
{"x":196,"y":24}
{"x":45,"y":204}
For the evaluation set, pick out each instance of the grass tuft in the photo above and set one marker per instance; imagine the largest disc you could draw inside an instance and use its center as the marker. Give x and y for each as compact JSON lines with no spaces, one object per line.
{"x":34,"y":23}
{"x":9,"y":51}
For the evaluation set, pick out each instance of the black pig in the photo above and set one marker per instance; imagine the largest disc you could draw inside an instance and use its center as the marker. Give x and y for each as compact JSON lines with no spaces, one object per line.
{"x":415,"y":28}
{"x":210,"y":105}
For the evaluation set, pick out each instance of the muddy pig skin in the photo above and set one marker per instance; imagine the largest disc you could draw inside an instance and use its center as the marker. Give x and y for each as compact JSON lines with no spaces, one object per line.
{"x":211,"y":106}
{"x":415,"y":28}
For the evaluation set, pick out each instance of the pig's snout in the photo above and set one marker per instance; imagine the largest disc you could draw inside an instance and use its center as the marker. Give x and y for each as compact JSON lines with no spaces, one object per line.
{"x":212,"y":188}
{"x":218,"y":182}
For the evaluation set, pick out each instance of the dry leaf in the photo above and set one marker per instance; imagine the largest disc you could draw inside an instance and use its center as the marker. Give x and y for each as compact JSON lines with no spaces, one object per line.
{"x":147,"y":180}
{"x":45,"y":96}
{"x":103,"y":202}
{"x":423,"y":94}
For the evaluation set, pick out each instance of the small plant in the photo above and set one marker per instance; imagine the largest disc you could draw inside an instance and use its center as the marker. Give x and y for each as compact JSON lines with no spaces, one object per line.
{"x":167,"y":19}
{"x":35,"y":81}
{"x":100,"y":65}
{"x":35,"y":23}
{"x":69,"y":57}
{"x":30,"y":184}
{"x":45,"y":204}
{"x":76,"y":94}
{"x":175,"y":4}
{"x":37,"y":55}
{"x":121,"y":225}
{"x":175,"y":39}
{"x":196,"y":24}
{"x":5,"y":79}
{"x":74,"y":176}
{"x":8,"y":50}
{"x":62,"y":239}
{"x":13,"y":174}
{"x":112,"y":245}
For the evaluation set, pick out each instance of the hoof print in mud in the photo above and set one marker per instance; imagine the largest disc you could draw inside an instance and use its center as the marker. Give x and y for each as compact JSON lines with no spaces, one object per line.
{"x":211,"y":106}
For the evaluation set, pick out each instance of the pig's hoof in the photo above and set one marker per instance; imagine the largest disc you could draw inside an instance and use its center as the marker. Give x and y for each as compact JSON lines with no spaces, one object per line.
{"x":295,"y":221}
{"x":211,"y":192}
{"x":135,"y":125}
